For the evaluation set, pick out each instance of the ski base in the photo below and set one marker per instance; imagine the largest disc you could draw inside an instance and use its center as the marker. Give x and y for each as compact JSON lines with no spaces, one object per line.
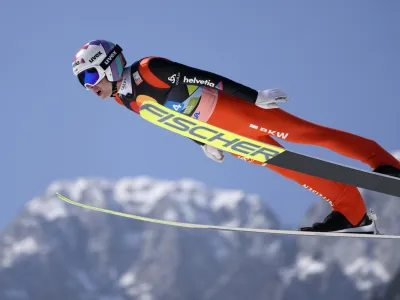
{"x":225,"y":228}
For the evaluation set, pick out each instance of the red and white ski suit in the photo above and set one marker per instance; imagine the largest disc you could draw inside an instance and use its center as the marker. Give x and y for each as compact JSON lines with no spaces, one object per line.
{"x":229,"y":105}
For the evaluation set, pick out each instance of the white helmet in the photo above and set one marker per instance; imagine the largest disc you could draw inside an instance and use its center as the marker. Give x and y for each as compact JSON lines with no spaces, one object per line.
{"x":97,"y":59}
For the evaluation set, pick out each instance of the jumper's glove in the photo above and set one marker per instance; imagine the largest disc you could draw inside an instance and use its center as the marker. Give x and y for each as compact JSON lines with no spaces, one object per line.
{"x":268,"y":98}
{"x":213,"y":153}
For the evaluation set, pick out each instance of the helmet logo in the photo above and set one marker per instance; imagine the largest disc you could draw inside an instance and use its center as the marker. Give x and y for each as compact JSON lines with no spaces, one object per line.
{"x":77,"y":63}
{"x":95,"y":57}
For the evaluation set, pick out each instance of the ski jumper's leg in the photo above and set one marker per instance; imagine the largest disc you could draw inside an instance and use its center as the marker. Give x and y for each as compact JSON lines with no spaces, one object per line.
{"x":231,"y":111}
{"x":242,"y":118}
{"x":343,"y":198}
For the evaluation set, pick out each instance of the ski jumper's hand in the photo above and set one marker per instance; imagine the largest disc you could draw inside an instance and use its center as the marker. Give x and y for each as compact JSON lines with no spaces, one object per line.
{"x":268,"y":99}
{"x":213,"y":153}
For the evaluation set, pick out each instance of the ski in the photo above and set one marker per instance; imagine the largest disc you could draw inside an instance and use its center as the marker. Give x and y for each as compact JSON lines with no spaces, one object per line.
{"x":265,"y":153}
{"x":226,"y":228}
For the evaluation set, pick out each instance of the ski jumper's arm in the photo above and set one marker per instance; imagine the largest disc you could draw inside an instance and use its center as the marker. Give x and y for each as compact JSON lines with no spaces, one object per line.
{"x":174,"y":73}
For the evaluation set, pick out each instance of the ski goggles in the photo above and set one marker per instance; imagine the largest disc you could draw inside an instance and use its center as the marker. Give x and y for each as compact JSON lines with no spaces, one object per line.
{"x":91,"y":76}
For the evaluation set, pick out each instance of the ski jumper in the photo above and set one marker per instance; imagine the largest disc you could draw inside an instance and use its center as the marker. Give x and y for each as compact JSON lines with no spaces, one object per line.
{"x":224,"y":103}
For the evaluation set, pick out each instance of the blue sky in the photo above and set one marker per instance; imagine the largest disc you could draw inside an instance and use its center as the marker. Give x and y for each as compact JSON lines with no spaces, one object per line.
{"x":338,"y":60}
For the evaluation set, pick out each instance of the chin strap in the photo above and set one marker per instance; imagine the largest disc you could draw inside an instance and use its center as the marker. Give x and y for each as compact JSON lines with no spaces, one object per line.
{"x":114,"y":88}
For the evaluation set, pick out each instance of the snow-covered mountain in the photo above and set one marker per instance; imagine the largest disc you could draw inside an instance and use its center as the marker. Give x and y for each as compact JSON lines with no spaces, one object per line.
{"x":55,"y":250}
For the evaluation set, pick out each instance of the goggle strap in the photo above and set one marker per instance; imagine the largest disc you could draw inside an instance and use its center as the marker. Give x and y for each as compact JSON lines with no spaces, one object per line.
{"x":111,"y":57}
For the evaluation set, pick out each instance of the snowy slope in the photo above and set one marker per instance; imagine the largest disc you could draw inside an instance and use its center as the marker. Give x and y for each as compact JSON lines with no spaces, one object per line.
{"x":370,"y":265}
{"x":54,"y":250}
{"x":91,"y":255}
